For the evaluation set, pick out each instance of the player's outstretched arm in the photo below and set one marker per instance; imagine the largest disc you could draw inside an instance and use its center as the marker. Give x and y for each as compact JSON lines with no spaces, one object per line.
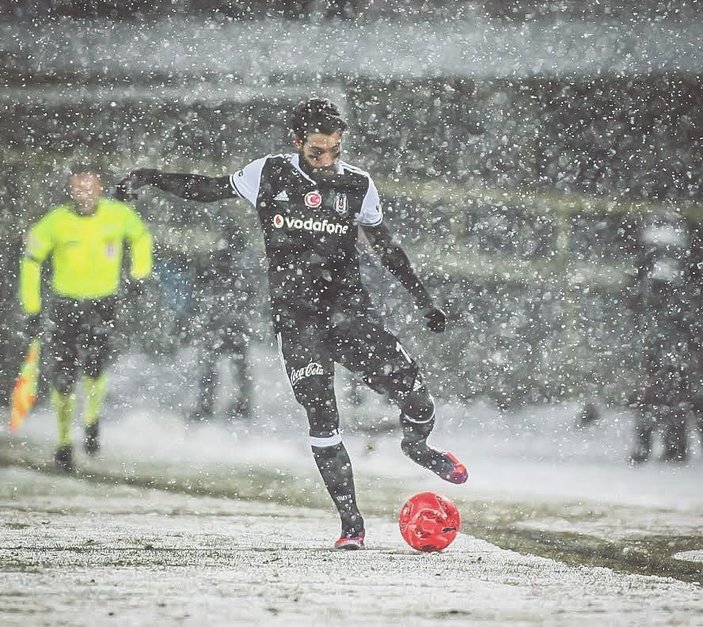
{"x":396,"y":261}
{"x":188,"y":186}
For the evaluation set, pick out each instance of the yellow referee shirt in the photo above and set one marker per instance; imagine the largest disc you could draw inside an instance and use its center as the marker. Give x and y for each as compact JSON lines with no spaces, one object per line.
{"x":86,"y":252}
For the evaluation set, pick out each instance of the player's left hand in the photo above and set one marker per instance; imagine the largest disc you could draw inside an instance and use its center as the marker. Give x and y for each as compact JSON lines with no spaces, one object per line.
{"x":126,"y":189}
{"x":436,"y":319}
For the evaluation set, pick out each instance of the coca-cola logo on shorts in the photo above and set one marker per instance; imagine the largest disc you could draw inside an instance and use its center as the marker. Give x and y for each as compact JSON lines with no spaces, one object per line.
{"x":313,"y":368}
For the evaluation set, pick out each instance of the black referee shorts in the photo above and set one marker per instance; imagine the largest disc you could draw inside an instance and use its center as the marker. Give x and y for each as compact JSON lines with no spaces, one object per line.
{"x":80,"y":336}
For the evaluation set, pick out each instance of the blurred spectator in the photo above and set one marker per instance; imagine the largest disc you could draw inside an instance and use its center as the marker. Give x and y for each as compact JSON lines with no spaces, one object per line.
{"x":222,"y":296}
{"x":666,"y":303}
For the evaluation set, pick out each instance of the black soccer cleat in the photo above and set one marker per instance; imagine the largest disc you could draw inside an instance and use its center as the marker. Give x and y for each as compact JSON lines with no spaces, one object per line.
{"x":673,"y":455}
{"x":63,"y":459}
{"x":639,"y":455}
{"x":91,"y":443}
{"x":200,"y":415}
{"x":589,"y":414}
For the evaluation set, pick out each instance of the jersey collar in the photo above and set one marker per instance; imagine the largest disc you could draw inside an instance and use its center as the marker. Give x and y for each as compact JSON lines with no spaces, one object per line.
{"x":72,"y":208}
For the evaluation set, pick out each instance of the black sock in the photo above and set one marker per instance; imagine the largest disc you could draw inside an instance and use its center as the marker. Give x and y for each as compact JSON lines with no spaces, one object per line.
{"x":426,"y":456}
{"x":414,"y":445}
{"x":336,"y":470}
{"x":415,"y":431}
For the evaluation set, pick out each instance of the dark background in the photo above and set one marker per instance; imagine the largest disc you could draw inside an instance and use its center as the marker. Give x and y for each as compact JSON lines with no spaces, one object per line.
{"x":517,"y":194}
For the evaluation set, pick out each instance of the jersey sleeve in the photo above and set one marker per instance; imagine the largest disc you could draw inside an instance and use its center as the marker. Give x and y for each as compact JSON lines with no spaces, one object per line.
{"x":371,"y":214}
{"x":39,"y":241}
{"x":247,"y":181}
{"x":37,"y":248}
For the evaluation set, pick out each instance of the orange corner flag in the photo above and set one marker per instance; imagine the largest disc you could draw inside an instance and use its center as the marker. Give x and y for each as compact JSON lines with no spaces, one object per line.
{"x":24,"y":393}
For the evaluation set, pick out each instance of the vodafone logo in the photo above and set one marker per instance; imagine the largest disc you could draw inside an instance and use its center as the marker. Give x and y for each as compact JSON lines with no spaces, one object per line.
{"x":314,"y":226}
{"x":313,"y":199}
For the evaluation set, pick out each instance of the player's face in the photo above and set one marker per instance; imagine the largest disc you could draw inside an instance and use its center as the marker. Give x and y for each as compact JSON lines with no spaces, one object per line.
{"x":321,"y":152}
{"x":85,"y":190}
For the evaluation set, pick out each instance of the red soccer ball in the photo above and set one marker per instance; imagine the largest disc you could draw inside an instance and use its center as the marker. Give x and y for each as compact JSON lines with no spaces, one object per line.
{"x":429,"y":522}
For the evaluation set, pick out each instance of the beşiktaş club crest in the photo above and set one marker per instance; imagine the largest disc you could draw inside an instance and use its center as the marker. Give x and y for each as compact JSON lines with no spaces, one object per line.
{"x":340,"y":204}
{"x":313,"y":199}
{"x":309,"y":224}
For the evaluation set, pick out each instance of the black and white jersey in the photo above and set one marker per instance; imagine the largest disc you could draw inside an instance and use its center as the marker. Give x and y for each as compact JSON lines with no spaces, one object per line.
{"x":310,"y":231}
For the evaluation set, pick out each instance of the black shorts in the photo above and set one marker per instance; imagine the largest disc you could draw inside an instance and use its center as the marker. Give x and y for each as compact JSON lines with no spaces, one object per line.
{"x":309,"y":349}
{"x":79,"y":339}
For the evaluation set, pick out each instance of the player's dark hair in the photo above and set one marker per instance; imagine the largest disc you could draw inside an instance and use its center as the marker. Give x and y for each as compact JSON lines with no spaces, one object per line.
{"x":316,"y":115}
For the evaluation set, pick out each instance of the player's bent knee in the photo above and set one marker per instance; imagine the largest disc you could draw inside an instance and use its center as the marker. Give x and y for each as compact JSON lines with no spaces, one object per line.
{"x":418,"y":406}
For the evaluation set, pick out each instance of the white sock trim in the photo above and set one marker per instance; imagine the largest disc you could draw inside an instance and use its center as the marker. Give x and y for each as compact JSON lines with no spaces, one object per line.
{"x":330,"y":440}
{"x":418,"y":422}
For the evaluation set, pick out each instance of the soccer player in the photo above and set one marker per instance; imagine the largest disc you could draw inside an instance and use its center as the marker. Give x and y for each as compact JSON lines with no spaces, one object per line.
{"x":310,"y":205}
{"x":85,"y":239}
